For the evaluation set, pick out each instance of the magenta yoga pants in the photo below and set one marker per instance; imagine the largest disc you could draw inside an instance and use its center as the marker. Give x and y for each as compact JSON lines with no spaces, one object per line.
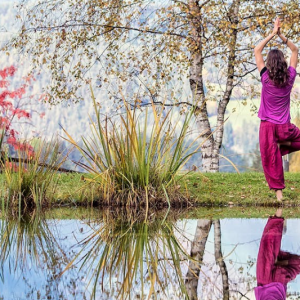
{"x":267,"y":269}
{"x":271,"y":155}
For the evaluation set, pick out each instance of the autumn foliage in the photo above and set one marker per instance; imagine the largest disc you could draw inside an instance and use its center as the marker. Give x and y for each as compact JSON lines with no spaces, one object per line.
{"x":11,"y":111}
{"x":295,"y":157}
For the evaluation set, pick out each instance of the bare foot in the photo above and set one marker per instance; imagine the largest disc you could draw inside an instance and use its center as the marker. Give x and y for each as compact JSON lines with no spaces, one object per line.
{"x":279,"y":195}
{"x":282,"y":262}
{"x":287,"y":143}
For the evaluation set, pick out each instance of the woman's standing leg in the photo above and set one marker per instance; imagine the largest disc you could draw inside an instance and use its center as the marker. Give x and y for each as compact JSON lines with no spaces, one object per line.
{"x":271,"y":157}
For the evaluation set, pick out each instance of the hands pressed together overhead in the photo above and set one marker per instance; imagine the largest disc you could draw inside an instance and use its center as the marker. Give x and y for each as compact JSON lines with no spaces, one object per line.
{"x":277,"y":25}
{"x":260,"y":46}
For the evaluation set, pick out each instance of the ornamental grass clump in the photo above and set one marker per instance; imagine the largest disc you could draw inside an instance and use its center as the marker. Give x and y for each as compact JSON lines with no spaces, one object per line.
{"x":135,"y":161}
{"x":29,"y":180}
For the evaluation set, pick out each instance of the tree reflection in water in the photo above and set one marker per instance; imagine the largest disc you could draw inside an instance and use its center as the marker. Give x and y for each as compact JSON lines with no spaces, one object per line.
{"x":196,"y":261}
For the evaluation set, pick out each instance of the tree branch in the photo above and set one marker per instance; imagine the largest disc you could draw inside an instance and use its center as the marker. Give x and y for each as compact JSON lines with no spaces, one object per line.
{"x":44,"y":28}
{"x":168,"y":104}
{"x":245,"y":74}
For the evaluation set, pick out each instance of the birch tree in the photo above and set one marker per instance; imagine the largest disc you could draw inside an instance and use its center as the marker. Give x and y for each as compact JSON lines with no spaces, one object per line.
{"x":151,"y":48}
{"x":197,"y":253}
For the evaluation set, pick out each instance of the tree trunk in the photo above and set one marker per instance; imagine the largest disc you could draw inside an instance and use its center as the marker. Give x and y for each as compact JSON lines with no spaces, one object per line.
{"x":209,"y":162}
{"x":211,"y":144}
{"x":233,"y":16}
{"x":219,"y":259}
{"x":197,"y":252}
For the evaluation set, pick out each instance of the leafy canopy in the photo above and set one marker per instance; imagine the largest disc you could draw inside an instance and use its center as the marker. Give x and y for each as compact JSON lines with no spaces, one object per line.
{"x":144,"y":45}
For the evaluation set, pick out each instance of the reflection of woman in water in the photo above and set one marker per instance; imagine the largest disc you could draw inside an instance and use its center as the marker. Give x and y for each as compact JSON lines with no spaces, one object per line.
{"x":275,"y":268}
{"x":277,"y":136}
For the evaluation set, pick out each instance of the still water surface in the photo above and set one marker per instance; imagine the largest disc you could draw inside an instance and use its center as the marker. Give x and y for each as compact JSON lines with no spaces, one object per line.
{"x":173,"y":257}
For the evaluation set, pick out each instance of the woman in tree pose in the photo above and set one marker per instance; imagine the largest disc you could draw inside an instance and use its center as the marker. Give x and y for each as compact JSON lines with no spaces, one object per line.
{"x":277,"y":136}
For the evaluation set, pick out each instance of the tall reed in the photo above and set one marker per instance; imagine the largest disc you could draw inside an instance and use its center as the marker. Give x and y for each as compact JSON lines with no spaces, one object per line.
{"x":133,"y":160}
{"x":30,"y":182}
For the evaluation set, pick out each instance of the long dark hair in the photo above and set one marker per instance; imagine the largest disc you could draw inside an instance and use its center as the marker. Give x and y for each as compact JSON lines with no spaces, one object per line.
{"x":278,"y":68}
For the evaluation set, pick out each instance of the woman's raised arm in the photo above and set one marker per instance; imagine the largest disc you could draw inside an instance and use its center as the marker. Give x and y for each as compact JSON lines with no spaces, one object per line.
{"x":259,"y":48}
{"x":293,"y":47}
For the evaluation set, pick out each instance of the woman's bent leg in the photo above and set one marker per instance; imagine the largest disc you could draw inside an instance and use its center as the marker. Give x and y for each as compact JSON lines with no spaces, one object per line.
{"x":292,"y":135}
{"x":295,"y":146}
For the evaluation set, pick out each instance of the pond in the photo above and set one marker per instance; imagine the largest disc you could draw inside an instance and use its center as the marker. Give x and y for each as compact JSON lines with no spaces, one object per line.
{"x":199,"y":254}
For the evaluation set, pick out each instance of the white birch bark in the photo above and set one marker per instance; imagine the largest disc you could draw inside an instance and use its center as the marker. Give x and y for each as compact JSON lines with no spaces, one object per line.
{"x":197,"y":88}
{"x":219,"y":259}
{"x":197,"y":252}
{"x":234,"y":17}
{"x":211,"y":147}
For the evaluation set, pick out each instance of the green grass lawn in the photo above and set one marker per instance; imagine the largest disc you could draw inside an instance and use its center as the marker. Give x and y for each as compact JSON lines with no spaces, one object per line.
{"x":239,"y":189}
{"x":205,"y":189}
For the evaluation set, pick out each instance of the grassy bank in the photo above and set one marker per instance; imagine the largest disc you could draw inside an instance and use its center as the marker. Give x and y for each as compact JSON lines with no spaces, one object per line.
{"x":192,"y":213}
{"x":240,"y":189}
{"x":81,"y":213}
{"x":204,"y":189}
